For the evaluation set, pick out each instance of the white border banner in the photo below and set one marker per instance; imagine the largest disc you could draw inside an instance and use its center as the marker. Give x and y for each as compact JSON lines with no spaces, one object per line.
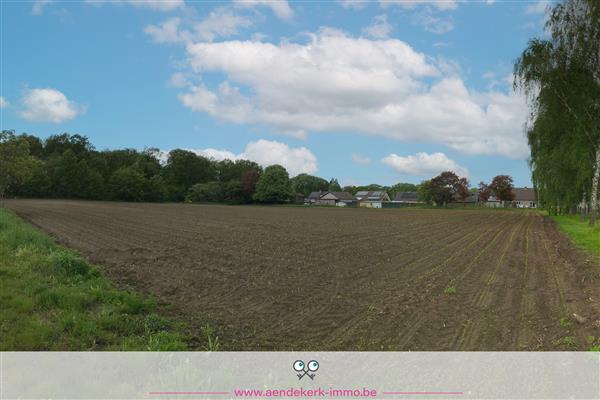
{"x":319,"y":375}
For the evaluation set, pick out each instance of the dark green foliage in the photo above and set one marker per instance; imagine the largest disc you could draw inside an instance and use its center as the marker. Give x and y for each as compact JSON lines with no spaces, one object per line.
{"x":231,"y":192}
{"x":204,"y":192}
{"x":16,"y":163}
{"x":128,"y":184}
{"x":68,"y":166}
{"x":155,"y":189}
{"x":274,"y":186}
{"x":391,"y":190}
{"x":306,"y":184}
{"x":38,"y":184}
{"x":401,"y":187}
{"x":59,"y":144}
{"x":425,"y":195}
{"x":334,"y":185}
{"x":36,"y":146}
{"x":72,"y":177}
{"x":228,"y":170}
{"x":561,"y":76}
{"x":185,"y":168}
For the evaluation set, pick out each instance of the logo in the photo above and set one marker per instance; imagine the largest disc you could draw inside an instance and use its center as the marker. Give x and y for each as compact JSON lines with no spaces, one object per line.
{"x":303,"y":369}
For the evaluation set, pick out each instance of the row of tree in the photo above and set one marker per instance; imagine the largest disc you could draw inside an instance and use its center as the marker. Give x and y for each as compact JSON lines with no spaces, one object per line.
{"x":561,"y":76}
{"x":448,"y":187}
{"x":68,"y":166}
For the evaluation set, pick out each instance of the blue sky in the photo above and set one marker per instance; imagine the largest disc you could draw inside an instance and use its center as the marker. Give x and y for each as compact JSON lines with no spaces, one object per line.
{"x":367,"y":92}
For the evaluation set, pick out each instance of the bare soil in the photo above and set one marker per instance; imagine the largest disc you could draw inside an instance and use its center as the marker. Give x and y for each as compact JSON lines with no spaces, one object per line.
{"x":293,"y":278}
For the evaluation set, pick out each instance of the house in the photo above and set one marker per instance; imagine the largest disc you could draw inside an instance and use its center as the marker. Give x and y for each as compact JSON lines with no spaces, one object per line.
{"x":524,"y":198}
{"x":493,"y":202}
{"x":472,"y":199}
{"x":314,"y":197}
{"x":407,"y":198}
{"x":340,"y":199}
{"x":372,"y":199}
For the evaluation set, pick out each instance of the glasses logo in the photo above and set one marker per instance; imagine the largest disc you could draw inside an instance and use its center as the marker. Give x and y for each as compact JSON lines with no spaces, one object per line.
{"x":303,"y":369}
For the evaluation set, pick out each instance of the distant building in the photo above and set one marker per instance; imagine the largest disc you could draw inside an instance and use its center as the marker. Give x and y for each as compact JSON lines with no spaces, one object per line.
{"x":314,"y":197}
{"x":372,"y":199}
{"x":407,"y":198}
{"x":524,"y":198}
{"x":472,"y":199}
{"x":340,"y":199}
{"x":493,"y":202}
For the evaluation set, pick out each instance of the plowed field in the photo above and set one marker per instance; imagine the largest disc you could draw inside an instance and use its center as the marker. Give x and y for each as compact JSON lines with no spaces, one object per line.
{"x":282,"y":278}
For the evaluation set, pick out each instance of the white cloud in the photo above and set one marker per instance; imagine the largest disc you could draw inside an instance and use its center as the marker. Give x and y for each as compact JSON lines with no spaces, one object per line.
{"x":167,"y":32}
{"x":353,"y":4}
{"x":216,"y":154}
{"x":296,"y":160}
{"x":3,"y":102}
{"x":359,"y":159}
{"x":158,"y":5}
{"x":336,"y":82}
{"x":423,"y":164}
{"x":47,"y":105}
{"x":221,"y":22}
{"x":281,"y":8}
{"x":380,"y":28}
{"x":442,"y":5}
{"x":38,"y":6}
{"x":538,"y":7}
{"x":179,"y":80}
{"x":433,"y":24}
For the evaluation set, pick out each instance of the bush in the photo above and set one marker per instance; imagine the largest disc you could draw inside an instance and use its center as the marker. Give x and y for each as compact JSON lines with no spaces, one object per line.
{"x":204,"y":192}
{"x":274,"y":186}
{"x":127,"y":184}
{"x":232,"y":192}
{"x":155,"y":189}
{"x":67,"y":263}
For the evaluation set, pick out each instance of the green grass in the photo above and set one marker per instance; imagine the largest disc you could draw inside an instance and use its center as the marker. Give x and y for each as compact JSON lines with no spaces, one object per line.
{"x":580,"y":232}
{"x":52,"y":299}
{"x":564,"y":322}
{"x":450,"y":290}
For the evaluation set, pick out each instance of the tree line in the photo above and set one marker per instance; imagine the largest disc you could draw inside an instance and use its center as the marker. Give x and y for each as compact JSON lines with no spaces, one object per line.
{"x":561,"y":77}
{"x":69,"y":166}
{"x":448,"y":187}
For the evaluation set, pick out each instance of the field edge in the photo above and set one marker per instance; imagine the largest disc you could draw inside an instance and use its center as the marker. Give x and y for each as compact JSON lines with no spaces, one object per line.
{"x":580,"y":233}
{"x":53,"y":299}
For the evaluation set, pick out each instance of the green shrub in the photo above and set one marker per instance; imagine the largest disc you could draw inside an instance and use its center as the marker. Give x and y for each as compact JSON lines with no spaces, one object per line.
{"x":68,"y":263}
{"x":204,"y":192}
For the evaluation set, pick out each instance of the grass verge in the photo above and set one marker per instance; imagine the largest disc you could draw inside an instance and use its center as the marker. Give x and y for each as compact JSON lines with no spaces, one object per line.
{"x":580,"y":232}
{"x":52,"y":299}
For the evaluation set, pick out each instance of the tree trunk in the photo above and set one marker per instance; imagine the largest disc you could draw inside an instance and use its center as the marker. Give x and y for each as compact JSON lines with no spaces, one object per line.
{"x":594,"y":196}
{"x":582,"y":207}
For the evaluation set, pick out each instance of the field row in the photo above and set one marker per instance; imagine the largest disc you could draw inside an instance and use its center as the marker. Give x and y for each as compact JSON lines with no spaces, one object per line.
{"x":343,"y":279}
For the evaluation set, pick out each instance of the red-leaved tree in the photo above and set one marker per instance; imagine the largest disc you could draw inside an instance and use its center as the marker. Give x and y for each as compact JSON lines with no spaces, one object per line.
{"x":502,"y":186}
